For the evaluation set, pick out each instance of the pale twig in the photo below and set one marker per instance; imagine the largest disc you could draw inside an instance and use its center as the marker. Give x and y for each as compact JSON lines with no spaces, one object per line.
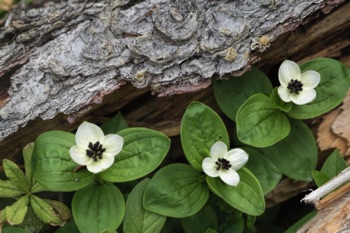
{"x":328,"y":187}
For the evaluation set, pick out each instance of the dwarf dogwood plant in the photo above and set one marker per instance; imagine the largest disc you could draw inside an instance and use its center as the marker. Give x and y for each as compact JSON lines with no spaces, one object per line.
{"x":117,"y":178}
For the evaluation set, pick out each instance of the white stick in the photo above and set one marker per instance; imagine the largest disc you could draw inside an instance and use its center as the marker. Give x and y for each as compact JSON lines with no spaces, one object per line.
{"x":328,"y":187}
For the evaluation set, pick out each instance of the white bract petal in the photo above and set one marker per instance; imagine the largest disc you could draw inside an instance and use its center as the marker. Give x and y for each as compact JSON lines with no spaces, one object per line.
{"x":288,"y":70}
{"x":284,"y":93}
{"x":100,"y":165}
{"x":304,"y":97}
{"x":95,"y":150}
{"x":297,"y":87}
{"x":209,"y":167}
{"x":78,"y":154}
{"x":88,"y":132}
{"x":218,"y":150}
{"x":237,"y":158}
{"x":229,"y":176}
{"x":310,"y":79}
{"x":113,"y":144}
{"x":224,"y":163}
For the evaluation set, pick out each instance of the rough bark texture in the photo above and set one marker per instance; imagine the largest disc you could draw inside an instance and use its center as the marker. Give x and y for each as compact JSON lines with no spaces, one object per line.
{"x":63,"y":57}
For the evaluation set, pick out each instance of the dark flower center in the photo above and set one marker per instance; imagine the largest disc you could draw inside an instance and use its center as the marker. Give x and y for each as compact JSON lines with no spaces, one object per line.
{"x":295,"y":86}
{"x":222,"y":164}
{"x":95,"y":151}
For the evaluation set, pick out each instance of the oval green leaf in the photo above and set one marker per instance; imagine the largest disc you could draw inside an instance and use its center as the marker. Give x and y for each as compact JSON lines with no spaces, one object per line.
{"x":296,"y":155}
{"x":137,"y":219}
{"x":334,"y":85}
{"x":98,"y":207}
{"x":16,"y":212}
{"x":201,"y":221}
{"x":143,"y":151}
{"x":53,"y":166}
{"x":44,"y":211}
{"x":201,"y":127}
{"x":247,"y":196}
{"x":27,"y":156}
{"x":9,"y":189}
{"x":115,"y":124}
{"x":16,"y":175}
{"x":263,"y":169}
{"x":232,"y":93}
{"x":259,"y":123}
{"x":334,"y":164}
{"x":176,"y":190}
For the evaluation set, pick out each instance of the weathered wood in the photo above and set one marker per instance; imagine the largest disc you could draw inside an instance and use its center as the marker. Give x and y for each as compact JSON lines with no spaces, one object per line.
{"x":66,"y":56}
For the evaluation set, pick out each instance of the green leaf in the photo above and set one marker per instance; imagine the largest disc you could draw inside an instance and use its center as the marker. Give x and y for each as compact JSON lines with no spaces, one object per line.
{"x":201,"y":221}
{"x":98,"y":207}
{"x":210,"y":231}
{"x":9,"y":189}
{"x":53,"y":166}
{"x":201,"y":127}
{"x":231,"y":94}
{"x":334,"y":164}
{"x":3,"y":215}
{"x":17,"y":211}
{"x":259,"y":123}
{"x":31,"y":221}
{"x":296,"y":226}
{"x":176,"y":190}
{"x":334,"y":85}
{"x":247,"y":196}
{"x":279,"y":103}
{"x":14,"y":230}
{"x":61,"y":210}
{"x":69,"y":227}
{"x":115,"y":124}
{"x":16,"y":175}
{"x":296,"y":155}
{"x":320,"y":178}
{"x":143,"y":151}
{"x":44,"y":211}
{"x":233,"y":224}
{"x":263,"y":169}
{"x":137,"y":219}
{"x":27,"y":156}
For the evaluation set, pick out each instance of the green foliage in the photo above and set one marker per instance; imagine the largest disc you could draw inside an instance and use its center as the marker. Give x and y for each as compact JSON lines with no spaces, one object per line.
{"x":98,"y":207}
{"x":334,"y":164}
{"x":263,"y":169}
{"x":177,"y":190}
{"x":201,"y":127}
{"x":143,"y":151}
{"x":247,"y":196}
{"x":232,"y":93}
{"x":14,"y":230}
{"x":296,"y":155}
{"x":137,"y":219}
{"x":279,"y":103}
{"x":53,"y":166}
{"x":278,"y":144}
{"x":201,"y":221}
{"x":115,"y":124}
{"x":260,"y":123}
{"x":16,"y":175}
{"x":16,"y":212}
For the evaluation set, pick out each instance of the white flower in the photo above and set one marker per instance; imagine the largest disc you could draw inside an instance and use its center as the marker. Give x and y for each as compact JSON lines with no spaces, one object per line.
{"x":296,"y":86}
{"x":224,"y":163}
{"x":93,"y":149}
